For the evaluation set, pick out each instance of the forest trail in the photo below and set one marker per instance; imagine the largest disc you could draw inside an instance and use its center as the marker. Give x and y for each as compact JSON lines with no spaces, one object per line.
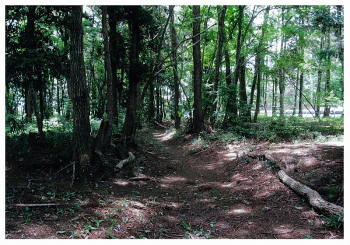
{"x":228,"y":194}
{"x":181,"y":188}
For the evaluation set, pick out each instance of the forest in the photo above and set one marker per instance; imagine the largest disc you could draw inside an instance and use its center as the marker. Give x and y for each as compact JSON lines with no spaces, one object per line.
{"x":174,"y":122}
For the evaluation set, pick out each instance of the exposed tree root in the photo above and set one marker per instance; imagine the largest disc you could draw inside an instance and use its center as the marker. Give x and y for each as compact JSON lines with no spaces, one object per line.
{"x":313,"y":196}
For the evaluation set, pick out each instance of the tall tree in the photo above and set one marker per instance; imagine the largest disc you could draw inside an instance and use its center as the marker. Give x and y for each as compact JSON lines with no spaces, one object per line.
{"x":79,"y":92}
{"x":130,"y":123}
{"x":258,"y":64}
{"x":281,"y":83}
{"x":302,"y":51}
{"x":231,"y":107}
{"x":198,"y":116}
{"x":105,"y":132}
{"x":174,"y":45}
{"x":218,"y":60}
{"x":319,"y":80}
{"x":116,"y":53}
{"x":327,"y":106}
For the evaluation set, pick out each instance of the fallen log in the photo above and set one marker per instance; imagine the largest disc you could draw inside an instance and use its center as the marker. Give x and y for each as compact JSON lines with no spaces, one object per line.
{"x":313,"y":196}
{"x":122,"y":163}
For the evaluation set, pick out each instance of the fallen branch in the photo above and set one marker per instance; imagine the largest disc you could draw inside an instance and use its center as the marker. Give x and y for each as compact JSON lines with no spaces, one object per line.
{"x":159,"y":125}
{"x":122,"y":163}
{"x":31,"y":205}
{"x":140,"y":179}
{"x":313,"y":196}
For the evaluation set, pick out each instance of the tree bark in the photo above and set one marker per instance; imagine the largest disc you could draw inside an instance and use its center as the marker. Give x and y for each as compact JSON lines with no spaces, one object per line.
{"x":257,"y":75}
{"x":130,"y":123}
{"x":150,"y":116}
{"x":313,"y":196}
{"x":30,"y":44}
{"x":158,"y":104}
{"x":301,"y":83}
{"x":301,"y":86}
{"x":173,"y":38}
{"x":218,"y":59}
{"x":257,"y":103}
{"x":318,"y":93}
{"x":244,"y":112}
{"x":106,"y":127}
{"x":281,"y":83}
{"x":231,"y":107}
{"x":339,"y":36}
{"x":79,"y":92}
{"x":114,"y":41}
{"x":198,"y":117}
{"x":327,"y":108}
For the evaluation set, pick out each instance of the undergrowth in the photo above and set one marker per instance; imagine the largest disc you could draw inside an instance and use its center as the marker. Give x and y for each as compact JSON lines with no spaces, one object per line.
{"x":275,"y":129}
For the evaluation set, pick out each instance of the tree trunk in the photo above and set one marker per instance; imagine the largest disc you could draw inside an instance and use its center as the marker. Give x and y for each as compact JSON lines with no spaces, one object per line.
{"x":314,"y":198}
{"x":257,"y":103}
{"x":198,"y":117}
{"x":257,"y":75}
{"x":115,"y":63}
{"x":40,"y":116}
{"x":130,"y":123}
{"x":265,"y":94}
{"x":81,"y":143}
{"x":30,"y":44}
{"x":158,"y":104}
{"x":150,"y":116}
{"x":39,"y":122}
{"x":281,"y":84}
{"x":301,"y":83}
{"x":220,"y":41}
{"x":255,"y":78}
{"x":327,"y":108}
{"x":175,"y":74}
{"x":274,"y":85}
{"x":232,"y":101}
{"x":58,"y":107}
{"x":318,"y":93}
{"x":107,"y":130}
{"x":301,"y":86}
{"x":339,"y":36}
{"x":28,"y":104}
{"x":243,"y":99}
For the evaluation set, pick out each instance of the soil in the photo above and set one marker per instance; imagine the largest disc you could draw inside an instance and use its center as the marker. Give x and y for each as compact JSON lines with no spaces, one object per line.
{"x":175,"y":190}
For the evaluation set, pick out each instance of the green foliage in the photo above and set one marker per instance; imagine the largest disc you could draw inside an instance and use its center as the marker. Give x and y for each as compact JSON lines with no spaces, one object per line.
{"x":335,"y":222}
{"x":284,"y":128}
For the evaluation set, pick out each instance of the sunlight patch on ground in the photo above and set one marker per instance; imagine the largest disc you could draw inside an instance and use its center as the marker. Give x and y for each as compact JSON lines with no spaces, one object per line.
{"x":37,"y":230}
{"x":309,"y":162}
{"x":231,"y":156}
{"x":121,"y":182}
{"x":263,"y":194}
{"x":168,"y":135}
{"x":213,"y":166}
{"x":231,"y":152}
{"x":240,"y":210}
{"x":258,"y":166}
{"x":166,"y":181}
{"x":287,"y":231}
{"x":334,"y":143}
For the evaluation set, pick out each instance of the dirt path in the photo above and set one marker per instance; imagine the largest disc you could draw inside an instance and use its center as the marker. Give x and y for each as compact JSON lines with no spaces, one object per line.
{"x":229,"y":196}
{"x":180,"y":193}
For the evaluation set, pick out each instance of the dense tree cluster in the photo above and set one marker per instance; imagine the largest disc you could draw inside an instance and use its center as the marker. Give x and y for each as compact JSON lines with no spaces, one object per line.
{"x":196,"y":65}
